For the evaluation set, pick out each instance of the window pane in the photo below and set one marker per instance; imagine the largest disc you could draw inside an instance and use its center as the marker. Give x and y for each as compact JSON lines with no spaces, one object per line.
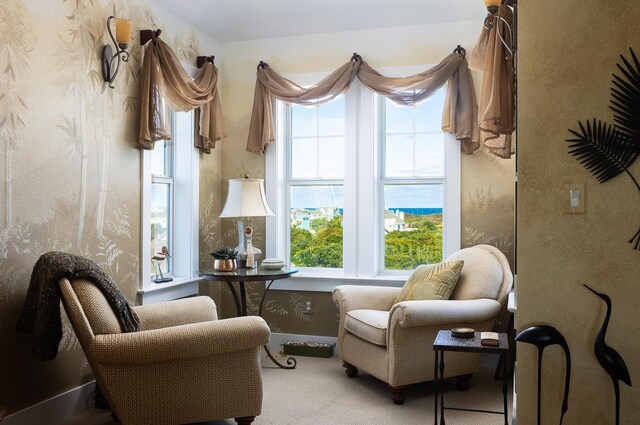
{"x":429,"y":113}
{"x":316,"y":226}
{"x":304,"y":121}
{"x":399,"y":156}
{"x":399,"y":119}
{"x":318,"y":140}
{"x":331,"y":157}
{"x":160,"y":158}
{"x":304,"y":158}
{"x":412,"y":225}
{"x":429,"y":160}
{"x":331,"y":117}
{"x":160,"y":220}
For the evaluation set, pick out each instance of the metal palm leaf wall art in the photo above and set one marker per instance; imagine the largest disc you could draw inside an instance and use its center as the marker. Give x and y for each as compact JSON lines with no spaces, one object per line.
{"x":608,"y":150}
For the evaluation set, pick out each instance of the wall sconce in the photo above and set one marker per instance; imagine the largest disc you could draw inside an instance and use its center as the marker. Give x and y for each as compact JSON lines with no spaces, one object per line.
{"x":120,"y":41}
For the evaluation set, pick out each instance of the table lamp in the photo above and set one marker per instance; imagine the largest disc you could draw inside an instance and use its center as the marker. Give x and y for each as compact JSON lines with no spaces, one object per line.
{"x":246,"y":199}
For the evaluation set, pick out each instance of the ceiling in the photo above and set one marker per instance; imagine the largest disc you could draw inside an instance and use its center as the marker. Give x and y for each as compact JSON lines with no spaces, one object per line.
{"x":237,"y":20}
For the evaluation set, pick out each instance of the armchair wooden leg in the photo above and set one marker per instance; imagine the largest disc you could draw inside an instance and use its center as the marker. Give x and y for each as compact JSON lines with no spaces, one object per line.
{"x":397,"y":394}
{"x":351,"y":371}
{"x":463,"y":382}
{"x":245,"y":420}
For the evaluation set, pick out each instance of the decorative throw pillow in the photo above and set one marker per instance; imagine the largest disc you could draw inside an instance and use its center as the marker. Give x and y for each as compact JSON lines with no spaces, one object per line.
{"x":431,"y":282}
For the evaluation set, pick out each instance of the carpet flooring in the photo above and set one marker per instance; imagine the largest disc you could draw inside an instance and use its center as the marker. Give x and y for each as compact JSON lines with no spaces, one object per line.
{"x":318,"y":392}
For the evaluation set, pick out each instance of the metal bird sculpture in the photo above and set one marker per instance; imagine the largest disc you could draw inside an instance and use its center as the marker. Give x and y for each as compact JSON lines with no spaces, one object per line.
{"x":157,"y":261}
{"x":609,"y":358}
{"x":542,"y":336}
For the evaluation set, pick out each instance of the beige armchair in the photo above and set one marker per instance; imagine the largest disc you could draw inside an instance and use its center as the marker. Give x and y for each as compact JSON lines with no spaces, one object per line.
{"x":183,"y":366}
{"x":393,"y":342}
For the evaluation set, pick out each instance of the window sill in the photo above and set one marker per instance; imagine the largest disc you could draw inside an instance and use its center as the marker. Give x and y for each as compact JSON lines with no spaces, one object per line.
{"x":179,"y":287}
{"x":324,"y":283}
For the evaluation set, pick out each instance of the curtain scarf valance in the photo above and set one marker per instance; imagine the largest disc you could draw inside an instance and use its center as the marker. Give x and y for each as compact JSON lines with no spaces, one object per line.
{"x":460,"y":110}
{"x":164,"y":79}
{"x":497,"y":100}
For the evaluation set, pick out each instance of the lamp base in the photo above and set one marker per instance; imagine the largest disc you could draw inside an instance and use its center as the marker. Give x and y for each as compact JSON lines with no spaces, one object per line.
{"x":242,"y":264}
{"x":245,"y":233}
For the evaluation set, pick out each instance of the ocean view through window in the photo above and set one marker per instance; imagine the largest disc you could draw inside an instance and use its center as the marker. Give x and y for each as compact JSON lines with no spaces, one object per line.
{"x":413,"y":178}
{"x":316,"y":184}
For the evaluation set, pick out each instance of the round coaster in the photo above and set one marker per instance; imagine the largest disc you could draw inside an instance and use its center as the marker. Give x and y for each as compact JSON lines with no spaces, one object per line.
{"x":462,"y":332}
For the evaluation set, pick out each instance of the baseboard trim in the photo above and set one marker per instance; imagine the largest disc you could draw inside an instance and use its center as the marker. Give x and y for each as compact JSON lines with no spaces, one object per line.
{"x":55,"y":410}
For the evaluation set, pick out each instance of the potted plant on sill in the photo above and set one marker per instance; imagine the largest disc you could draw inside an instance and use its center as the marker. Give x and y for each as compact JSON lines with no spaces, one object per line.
{"x":225,"y":259}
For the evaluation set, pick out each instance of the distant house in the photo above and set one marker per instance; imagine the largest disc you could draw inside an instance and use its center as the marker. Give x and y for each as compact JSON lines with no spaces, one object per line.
{"x":302,"y":218}
{"x":394,"y":220}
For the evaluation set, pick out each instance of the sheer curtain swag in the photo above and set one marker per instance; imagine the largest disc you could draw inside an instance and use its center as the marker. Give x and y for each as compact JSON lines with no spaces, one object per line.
{"x":459,"y":115}
{"x":164,"y":79}
{"x":493,"y":54}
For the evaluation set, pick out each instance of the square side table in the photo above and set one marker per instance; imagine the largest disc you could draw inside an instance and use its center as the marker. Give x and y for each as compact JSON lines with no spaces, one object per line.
{"x":446,"y":342}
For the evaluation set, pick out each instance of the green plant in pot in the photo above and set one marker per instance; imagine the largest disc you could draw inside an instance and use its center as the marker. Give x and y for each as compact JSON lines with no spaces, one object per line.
{"x":225,"y":259}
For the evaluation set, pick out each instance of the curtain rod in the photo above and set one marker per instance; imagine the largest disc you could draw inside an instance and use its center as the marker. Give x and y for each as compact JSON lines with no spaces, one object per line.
{"x":200,"y":61}
{"x":147,"y":35}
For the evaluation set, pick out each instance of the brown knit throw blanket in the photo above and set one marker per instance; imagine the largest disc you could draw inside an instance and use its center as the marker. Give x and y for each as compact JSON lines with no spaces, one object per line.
{"x":41,"y":311}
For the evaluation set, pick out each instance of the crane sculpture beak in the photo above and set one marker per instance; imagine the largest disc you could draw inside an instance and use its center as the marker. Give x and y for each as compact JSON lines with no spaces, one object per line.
{"x":589,"y":288}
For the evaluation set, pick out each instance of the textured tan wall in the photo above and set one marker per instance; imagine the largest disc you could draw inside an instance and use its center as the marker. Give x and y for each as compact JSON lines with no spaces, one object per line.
{"x":487,"y":182}
{"x":68,"y":167}
{"x":567,"y":53}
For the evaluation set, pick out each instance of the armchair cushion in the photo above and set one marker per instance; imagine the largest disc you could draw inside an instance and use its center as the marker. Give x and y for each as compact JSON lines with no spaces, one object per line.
{"x":370,"y":325}
{"x":431,"y":282}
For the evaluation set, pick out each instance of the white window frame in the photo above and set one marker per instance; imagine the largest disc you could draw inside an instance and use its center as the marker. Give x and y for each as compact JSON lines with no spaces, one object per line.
{"x":363,"y":185}
{"x":168,"y":179}
{"x":183,"y":214}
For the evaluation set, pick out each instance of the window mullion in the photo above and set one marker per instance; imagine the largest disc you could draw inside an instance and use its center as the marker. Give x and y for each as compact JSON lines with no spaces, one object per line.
{"x":350,"y":218}
{"x":366,"y":199}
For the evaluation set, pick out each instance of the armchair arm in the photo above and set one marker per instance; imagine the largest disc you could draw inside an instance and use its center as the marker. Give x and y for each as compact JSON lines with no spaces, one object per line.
{"x":194,"y":340}
{"x":410,"y":314}
{"x":175,"y":313}
{"x":355,"y":297}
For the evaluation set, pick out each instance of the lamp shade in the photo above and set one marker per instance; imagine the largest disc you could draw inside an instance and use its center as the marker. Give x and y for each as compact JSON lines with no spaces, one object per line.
{"x":246,"y":198}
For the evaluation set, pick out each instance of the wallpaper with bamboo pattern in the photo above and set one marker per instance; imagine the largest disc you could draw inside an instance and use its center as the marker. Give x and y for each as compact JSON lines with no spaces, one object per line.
{"x":69,"y":168}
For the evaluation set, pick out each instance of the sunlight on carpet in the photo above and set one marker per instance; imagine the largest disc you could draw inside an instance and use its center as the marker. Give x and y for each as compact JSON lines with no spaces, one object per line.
{"x":318,"y":392}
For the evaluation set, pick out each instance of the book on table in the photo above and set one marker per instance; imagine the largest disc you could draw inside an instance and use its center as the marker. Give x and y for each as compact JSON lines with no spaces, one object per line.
{"x":489,"y":338}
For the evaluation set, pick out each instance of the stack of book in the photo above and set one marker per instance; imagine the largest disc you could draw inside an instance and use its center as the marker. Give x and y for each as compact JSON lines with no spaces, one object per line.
{"x":489,"y":339}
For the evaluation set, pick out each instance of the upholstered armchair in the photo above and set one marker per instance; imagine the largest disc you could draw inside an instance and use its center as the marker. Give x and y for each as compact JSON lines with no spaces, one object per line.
{"x":183,"y":366}
{"x":393,"y":341}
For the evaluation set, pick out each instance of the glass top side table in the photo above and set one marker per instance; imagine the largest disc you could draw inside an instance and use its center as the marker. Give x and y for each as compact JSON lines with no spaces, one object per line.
{"x":251,"y":275}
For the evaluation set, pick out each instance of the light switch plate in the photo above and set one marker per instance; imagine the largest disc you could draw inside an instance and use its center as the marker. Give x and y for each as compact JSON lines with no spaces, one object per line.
{"x":574,"y":198}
